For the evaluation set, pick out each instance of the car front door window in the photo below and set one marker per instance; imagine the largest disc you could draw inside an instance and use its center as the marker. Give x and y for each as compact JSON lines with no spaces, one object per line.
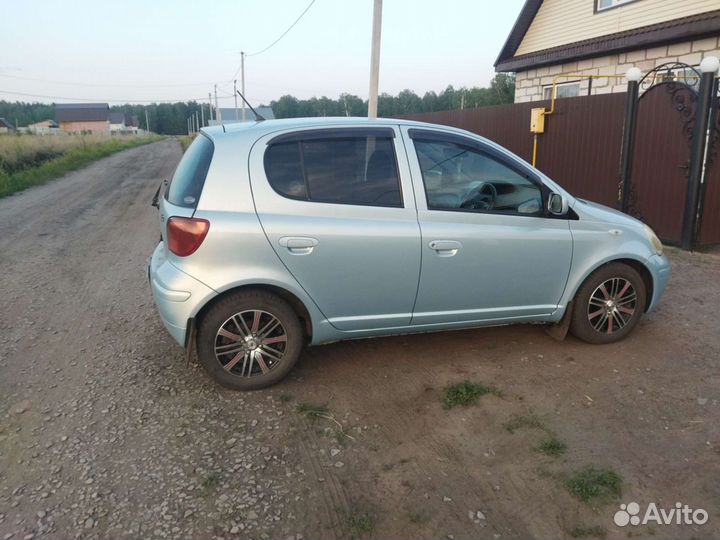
{"x":460,"y":178}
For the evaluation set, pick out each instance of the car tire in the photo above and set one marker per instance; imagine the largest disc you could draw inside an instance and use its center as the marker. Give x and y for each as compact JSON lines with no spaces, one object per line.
{"x":249,"y":339}
{"x":609,"y":304}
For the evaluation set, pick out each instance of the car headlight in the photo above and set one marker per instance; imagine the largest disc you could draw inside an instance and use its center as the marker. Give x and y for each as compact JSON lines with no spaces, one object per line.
{"x":654,"y":240}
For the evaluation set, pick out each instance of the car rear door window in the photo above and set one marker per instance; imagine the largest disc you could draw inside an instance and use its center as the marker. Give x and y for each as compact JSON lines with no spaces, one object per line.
{"x":359,"y":170}
{"x":187,"y":182}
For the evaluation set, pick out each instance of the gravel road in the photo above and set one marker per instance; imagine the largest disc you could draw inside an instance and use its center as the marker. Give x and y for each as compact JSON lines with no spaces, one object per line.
{"x":106,"y":432}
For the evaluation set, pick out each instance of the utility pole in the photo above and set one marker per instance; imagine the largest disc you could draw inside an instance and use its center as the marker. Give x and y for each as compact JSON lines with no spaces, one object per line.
{"x":211,"y":113}
{"x":147,"y":121}
{"x":375,"y":59}
{"x":197,"y":121}
{"x":235,"y":95}
{"x":202,"y":115}
{"x":187,"y":121}
{"x":242,"y":82}
{"x":216,"y":106}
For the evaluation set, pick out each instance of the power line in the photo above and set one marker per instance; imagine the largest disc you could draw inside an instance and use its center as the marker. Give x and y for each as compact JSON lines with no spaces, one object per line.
{"x":67,"y":83}
{"x":96,"y":100}
{"x":277,"y":40}
{"x":285,"y":32}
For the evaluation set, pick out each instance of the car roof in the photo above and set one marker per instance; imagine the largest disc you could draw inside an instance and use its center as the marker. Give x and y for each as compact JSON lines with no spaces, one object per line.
{"x":258,"y":129}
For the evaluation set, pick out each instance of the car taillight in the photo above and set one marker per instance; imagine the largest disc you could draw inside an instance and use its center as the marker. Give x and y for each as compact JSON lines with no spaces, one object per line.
{"x":186,"y":234}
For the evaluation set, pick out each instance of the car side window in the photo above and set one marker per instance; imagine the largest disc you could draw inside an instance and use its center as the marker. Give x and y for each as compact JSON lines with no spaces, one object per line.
{"x":460,"y":178}
{"x":359,"y":170}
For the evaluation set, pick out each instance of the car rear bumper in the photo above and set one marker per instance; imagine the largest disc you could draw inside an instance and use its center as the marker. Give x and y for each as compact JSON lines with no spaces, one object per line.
{"x":177,"y":295}
{"x":660,"y":269}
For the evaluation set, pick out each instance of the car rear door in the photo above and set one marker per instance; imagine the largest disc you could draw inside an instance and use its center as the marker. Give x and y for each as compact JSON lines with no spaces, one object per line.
{"x":337,"y":207}
{"x":489,"y":249}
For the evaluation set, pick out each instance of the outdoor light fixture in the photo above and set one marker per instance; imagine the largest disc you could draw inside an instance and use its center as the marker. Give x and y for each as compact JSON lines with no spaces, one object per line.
{"x":710,"y":64}
{"x":633,"y":74}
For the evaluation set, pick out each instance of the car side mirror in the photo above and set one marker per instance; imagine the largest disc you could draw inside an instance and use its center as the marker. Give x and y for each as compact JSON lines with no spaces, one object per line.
{"x":557,"y":204}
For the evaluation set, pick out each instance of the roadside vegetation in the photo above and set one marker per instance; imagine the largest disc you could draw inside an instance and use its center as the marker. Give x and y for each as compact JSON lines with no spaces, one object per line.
{"x":591,"y":482}
{"x":30,"y":160}
{"x":466,"y":393}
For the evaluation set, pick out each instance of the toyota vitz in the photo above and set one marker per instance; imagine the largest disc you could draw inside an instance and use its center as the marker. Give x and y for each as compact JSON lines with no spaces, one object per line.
{"x":281,"y":233}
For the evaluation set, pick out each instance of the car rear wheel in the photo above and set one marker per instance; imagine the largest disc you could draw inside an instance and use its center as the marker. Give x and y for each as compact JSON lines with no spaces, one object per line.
{"x":609,"y":304}
{"x":249,"y":340}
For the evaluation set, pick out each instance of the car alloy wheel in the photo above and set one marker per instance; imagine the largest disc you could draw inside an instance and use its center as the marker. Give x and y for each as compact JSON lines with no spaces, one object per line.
{"x":612,"y":305}
{"x":251,"y":343}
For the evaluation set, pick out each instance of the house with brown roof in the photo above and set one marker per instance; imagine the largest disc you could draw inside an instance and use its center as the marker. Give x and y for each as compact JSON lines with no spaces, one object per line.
{"x":83,"y":117}
{"x":603,"y":37}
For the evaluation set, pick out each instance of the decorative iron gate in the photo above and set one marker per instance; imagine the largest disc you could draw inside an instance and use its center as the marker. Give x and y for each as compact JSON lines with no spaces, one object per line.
{"x":665,"y":139}
{"x":661,"y":158}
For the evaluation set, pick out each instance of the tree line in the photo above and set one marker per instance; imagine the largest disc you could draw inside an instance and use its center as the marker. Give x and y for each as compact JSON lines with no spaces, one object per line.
{"x":500,"y":91}
{"x":171,"y":118}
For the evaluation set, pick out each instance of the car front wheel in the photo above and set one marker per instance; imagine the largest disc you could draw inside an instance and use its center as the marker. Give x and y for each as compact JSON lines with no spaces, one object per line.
{"x":609,"y":304}
{"x":249,"y":340}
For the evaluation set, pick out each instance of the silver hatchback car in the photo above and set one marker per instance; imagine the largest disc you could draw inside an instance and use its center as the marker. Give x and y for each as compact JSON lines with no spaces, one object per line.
{"x":283,"y":233}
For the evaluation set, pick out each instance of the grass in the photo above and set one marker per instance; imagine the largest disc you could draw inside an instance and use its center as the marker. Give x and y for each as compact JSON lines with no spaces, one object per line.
{"x":528,"y":421}
{"x":551,"y":446}
{"x":30,"y":160}
{"x":284,"y":398}
{"x":417,"y":517}
{"x":588,"y":532}
{"x":313,"y":411}
{"x":185,"y":141}
{"x":593,"y":482}
{"x":359,"y":525}
{"x":466,"y":393}
{"x":210,"y":482}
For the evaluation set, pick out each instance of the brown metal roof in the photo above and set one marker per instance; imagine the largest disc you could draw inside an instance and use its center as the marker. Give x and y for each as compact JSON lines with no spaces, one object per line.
{"x":82,"y":112}
{"x":692,"y":27}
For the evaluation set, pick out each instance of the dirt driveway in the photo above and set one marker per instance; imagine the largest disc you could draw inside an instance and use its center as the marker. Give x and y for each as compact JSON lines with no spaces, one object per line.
{"x":105,"y":432}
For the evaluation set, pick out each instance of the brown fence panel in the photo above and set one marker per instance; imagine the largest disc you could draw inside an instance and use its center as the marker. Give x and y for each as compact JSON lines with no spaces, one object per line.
{"x":580,"y":148}
{"x":709,"y":232}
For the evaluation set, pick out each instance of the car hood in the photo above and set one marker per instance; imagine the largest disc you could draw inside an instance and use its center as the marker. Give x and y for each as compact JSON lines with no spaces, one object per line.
{"x":591,"y":211}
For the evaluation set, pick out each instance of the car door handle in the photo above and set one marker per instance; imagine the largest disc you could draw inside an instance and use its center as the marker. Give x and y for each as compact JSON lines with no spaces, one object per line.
{"x":299,"y":245}
{"x":445,"y":248}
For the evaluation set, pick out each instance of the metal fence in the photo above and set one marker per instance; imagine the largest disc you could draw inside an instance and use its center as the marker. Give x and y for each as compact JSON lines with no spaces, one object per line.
{"x":580,"y":148}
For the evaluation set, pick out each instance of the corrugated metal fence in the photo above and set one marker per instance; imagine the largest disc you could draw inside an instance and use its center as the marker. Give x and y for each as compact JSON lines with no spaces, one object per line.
{"x":580,"y":148}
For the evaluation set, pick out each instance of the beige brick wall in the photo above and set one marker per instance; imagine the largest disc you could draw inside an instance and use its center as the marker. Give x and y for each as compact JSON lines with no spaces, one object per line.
{"x":529,"y":84}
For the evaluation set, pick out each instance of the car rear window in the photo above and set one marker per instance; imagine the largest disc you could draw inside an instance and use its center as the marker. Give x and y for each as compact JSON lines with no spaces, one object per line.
{"x":187,"y":182}
{"x":360,"y":170}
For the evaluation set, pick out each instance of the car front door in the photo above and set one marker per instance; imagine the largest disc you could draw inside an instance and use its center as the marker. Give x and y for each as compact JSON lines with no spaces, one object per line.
{"x":338,"y":209}
{"x":489,"y":250}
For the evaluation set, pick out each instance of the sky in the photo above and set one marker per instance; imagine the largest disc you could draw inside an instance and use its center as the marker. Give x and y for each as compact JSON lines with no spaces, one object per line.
{"x":156,"y":50}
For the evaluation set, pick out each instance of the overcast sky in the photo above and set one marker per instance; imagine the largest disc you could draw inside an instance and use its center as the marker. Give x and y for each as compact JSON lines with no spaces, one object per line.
{"x":136,"y":51}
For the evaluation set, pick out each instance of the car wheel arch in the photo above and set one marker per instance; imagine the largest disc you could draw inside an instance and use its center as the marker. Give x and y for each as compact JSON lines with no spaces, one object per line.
{"x":635,"y":264}
{"x":296,"y":303}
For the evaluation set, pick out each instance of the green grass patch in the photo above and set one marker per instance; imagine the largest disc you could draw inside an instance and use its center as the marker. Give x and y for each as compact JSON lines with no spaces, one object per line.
{"x":69,"y":161}
{"x":466,"y":393}
{"x":417,"y":518}
{"x":359,"y":525}
{"x":185,"y":141}
{"x":313,"y":411}
{"x":527,"y":421}
{"x":593,"y":482}
{"x":551,"y":446}
{"x":284,"y":398}
{"x":588,"y":532}
{"x":210,"y":482}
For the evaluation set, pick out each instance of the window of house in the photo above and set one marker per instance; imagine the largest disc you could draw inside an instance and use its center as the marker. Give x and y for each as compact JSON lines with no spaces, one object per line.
{"x":457,"y":177}
{"x":359,"y":170}
{"x":607,"y":4}
{"x":563,"y":90}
